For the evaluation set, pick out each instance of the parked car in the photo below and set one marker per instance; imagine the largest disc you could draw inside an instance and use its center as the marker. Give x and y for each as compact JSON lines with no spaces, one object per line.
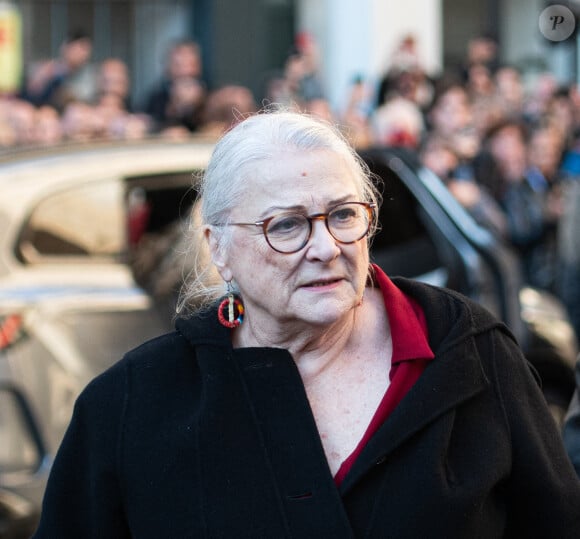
{"x":90,"y":264}
{"x":69,"y":302}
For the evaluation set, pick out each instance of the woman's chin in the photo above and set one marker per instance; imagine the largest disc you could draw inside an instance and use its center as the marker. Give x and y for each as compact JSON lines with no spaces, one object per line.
{"x":325,"y":311}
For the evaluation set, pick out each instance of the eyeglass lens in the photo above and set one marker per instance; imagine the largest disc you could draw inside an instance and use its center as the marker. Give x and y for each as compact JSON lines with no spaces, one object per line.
{"x":290,"y":232}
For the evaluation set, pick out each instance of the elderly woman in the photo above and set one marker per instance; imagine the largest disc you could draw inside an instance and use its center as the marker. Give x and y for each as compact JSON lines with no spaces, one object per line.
{"x":317,"y":398}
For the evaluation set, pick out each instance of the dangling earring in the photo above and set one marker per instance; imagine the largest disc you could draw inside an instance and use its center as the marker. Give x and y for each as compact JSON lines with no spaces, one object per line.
{"x":233,"y":304}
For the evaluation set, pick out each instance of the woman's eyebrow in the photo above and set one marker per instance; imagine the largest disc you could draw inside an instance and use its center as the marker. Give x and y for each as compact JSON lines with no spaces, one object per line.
{"x":273,"y":210}
{"x":300,"y":208}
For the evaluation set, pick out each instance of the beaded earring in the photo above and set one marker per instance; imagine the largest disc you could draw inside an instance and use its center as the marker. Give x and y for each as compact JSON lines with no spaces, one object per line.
{"x":233,"y":305}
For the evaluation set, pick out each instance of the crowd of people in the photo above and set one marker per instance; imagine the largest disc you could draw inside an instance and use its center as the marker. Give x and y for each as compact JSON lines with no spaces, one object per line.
{"x":73,"y":98}
{"x":509,"y":151}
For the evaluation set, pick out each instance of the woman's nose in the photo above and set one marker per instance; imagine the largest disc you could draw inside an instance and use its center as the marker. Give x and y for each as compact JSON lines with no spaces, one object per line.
{"x":321,"y":244}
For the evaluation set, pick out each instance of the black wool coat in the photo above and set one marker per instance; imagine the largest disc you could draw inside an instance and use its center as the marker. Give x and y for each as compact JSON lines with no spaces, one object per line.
{"x":188,"y":438}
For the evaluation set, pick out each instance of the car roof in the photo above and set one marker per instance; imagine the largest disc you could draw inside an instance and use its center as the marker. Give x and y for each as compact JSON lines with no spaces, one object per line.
{"x":28,"y":176}
{"x":119,"y":158}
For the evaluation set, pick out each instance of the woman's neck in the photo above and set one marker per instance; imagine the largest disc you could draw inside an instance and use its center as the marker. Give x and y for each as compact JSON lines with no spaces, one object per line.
{"x":316,"y":349}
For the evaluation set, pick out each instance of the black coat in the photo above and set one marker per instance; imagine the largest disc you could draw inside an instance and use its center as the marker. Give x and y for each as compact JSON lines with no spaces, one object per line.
{"x":188,"y":438}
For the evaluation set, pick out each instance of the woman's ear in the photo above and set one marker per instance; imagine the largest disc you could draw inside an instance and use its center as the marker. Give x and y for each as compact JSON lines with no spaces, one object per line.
{"x":217,"y":254}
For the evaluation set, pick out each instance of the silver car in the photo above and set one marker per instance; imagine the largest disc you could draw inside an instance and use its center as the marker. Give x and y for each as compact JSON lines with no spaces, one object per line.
{"x":77,"y":287}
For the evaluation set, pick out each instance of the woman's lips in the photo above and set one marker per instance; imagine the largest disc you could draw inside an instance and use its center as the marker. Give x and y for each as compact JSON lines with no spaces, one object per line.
{"x":323,"y":283}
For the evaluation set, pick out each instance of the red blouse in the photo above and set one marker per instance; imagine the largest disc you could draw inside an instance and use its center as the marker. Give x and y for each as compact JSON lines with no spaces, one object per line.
{"x":411,"y":352}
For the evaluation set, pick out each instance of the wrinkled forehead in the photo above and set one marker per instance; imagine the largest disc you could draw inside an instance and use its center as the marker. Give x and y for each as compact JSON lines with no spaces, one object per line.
{"x":294,"y":175}
{"x":292,"y":161}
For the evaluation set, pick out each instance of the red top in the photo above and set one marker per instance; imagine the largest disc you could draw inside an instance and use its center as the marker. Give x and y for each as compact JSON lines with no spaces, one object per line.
{"x":411,"y":352}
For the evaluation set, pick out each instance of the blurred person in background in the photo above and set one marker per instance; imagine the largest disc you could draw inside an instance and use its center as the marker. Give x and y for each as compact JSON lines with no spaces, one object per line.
{"x":451,"y":118}
{"x":440,"y":157}
{"x":47,"y":127}
{"x":69,"y":78}
{"x":545,"y":150}
{"x":569,"y":292}
{"x":177,"y":99}
{"x":543,"y":87}
{"x":284,"y":90}
{"x":486,"y":107}
{"x":21,"y":116}
{"x":8,"y":137}
{"x":307,"y":53}
{"x":405,"y":75}
{"x":356,"y":113}
{"x":481,"y":50}
{"x":319,"y":108}
{"x":450,"y":111}
{"x":569,"y":238}
{"x":110,"y":108}
{"x":128,"y":126}
{"x":113,"y":105}
{"x":398,"y":122}
{"x":568,"y":284}
{"x":480,"y":83}
{"x":504,"y":168}
{"x":561,"y":115}
{"x":113,"y":80}
{"x":299,"y":83}
{"x":82,"y":123}
{"x":568,"y":288}
{"x":502,"y":159}
{"x":224,"y":108}
{"x":510,"y":91}
{"x":574,"y":95}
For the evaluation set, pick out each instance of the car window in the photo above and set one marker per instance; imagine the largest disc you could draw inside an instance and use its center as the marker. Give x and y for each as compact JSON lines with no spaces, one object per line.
{"x":86,"y":220}
{"x":160,"y":200}
{"x":158,"y":211}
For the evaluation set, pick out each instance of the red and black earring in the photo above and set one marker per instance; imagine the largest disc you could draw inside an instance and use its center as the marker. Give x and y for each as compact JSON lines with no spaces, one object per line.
{"x":235,"y":310}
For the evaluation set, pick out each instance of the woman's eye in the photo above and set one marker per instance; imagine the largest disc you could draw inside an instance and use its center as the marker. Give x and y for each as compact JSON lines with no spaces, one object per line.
{"x":344,"y":214}
{"x":286,"y":225}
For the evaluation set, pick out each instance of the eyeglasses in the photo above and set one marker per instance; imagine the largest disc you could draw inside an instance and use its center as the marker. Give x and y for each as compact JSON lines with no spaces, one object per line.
{"x":289,"y":232}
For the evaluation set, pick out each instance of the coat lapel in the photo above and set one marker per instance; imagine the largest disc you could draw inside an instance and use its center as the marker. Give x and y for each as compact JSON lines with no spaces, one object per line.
{"x":306,"y":489}
{"x":450,"y":379}
{"x":277,"y":482}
